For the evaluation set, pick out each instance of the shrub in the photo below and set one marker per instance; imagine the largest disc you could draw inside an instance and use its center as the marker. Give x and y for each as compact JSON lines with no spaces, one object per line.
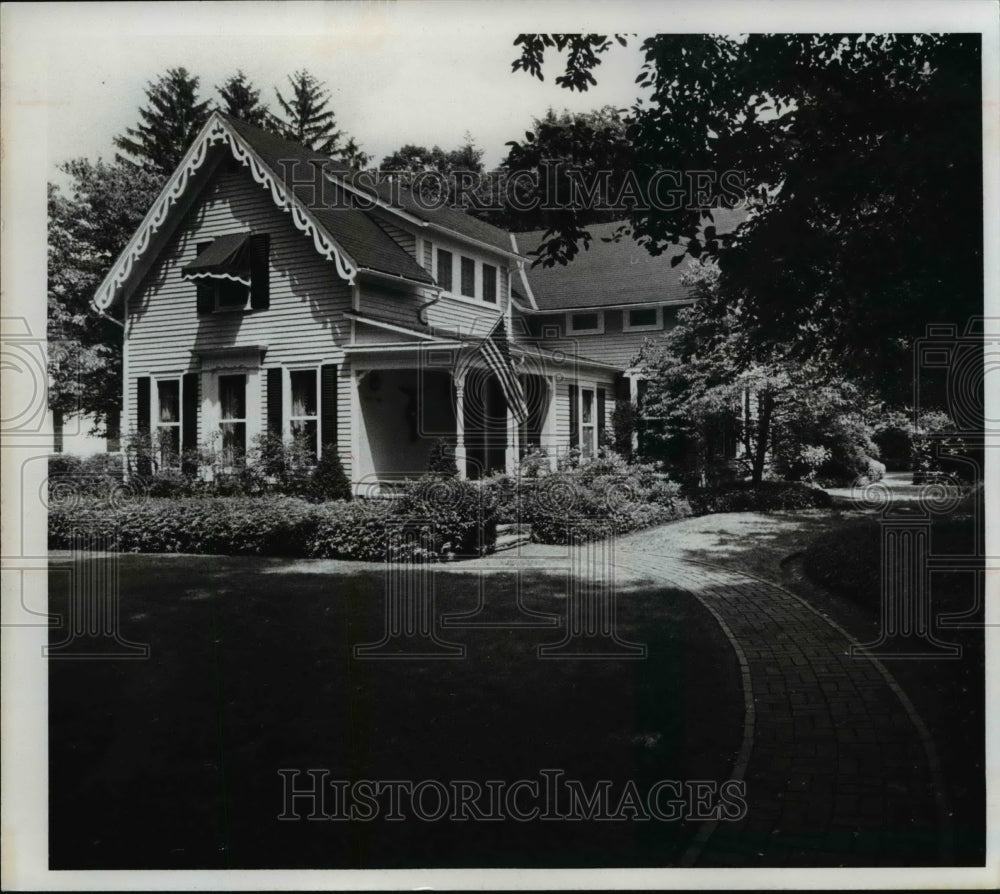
{"x":534,"y":464}
{"x":813,"y":458}
{"x":439,"y":519}
{"x":603,"y":496}
{"x":939,"y":450}
{"x":624,"y":421}
{"x":328,"y":480}
{"x":503,"y":493}
{"x":464,"y":514}
{"x":69,"y":476}
{"x":215,"y":525}
{"x":767,"y":496}
{"x":442,"y":459}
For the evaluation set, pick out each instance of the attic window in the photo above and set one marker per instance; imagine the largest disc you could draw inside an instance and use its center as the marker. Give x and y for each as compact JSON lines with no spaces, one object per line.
{"x":227,"y":258}
{"x":642,"y":319}
{"x":231,"y":273}
{"x":586,"y":323}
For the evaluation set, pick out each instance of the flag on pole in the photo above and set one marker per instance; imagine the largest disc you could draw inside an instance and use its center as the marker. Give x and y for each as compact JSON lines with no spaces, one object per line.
{"x":495,"y":349}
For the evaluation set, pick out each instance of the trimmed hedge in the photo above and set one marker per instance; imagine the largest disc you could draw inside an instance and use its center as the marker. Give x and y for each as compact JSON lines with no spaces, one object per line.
{"x":437,"y":520}
{"x":766,"y":497}
{"x":574,"y":506}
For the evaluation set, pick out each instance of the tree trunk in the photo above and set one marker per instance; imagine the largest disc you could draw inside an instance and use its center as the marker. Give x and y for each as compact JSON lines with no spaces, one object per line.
{"x":765,"y":407}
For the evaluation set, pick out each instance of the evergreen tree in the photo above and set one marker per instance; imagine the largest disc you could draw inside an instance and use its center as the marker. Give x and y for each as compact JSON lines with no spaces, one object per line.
{"x":167,"y":125}
{"x":306,"y":118}
{"x":306,"y":115}
{"x":242,"y":100}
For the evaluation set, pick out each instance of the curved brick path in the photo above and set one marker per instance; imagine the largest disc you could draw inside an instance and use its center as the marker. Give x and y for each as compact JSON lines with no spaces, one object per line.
{"x":839,"y":768}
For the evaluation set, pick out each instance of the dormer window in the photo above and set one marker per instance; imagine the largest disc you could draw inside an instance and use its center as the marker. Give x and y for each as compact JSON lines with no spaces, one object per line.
{"x":231,"y":273}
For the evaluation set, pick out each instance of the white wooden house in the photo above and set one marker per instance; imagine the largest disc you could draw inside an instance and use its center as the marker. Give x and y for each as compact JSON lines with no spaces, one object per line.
{"x":264,"y":292}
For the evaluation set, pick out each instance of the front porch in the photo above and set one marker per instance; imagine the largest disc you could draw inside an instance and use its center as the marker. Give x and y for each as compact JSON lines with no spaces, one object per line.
{"x":402,"y":406}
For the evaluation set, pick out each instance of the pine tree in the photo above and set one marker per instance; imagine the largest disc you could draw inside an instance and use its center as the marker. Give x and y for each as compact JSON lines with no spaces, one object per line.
{"x":308,"y":119}
{"x":242,"y":100}
{"x":167,"y":126}
{"x":352,"y":155}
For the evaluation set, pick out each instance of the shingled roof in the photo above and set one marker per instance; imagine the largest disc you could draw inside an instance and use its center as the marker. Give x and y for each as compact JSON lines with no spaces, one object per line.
{"x":353,"y":229}
{"x":613,"y":273}
{"x":277,"y":152}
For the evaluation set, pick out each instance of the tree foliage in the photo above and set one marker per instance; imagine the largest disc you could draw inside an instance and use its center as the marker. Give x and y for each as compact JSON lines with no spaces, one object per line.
{"x":307,"y":118}
{"x":87,"y":230}
{"x":438,"y":175}
{"x":242,"y":100}
{"x":578,"y":164}
{"x":167,"y":125}
{"x":708,"y":370}
{"x":860,"y":154}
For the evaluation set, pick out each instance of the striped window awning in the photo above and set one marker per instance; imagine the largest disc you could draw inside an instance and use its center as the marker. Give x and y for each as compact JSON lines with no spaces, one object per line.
{"x":228,"y":257}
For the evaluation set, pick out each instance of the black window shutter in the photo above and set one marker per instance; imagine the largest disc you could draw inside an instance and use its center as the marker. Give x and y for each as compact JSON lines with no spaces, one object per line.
{"x":260,"y":271}
{"x":274,"y":408}
{"x":142,"y":405}
{"x":114,"y":426}
{"x":574,"y":417}
{"x":205,"y":287}
{"x":328,"y":405}
{"x":623,"y":388}
{"x":189,"y":422}
{"x":142,"y":423}
{"x":600,"y":417}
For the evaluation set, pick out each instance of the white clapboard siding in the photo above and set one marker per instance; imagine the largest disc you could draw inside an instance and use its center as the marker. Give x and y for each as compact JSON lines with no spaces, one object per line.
{"x":389,"y":306}
{"x":464,"y":317}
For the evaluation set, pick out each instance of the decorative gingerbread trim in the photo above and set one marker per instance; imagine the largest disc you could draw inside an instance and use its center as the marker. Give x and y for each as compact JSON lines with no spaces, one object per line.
{"x":216,"y":130}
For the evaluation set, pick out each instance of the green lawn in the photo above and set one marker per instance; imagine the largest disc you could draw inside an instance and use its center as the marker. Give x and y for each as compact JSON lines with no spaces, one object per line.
{"x":173,"y":762}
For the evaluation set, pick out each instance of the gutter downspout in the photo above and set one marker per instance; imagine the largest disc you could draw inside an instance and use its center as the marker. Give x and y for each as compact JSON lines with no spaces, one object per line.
{"x":422,"y":310}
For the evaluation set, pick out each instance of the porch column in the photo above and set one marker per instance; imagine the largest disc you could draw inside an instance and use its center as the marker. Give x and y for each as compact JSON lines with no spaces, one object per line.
{"x":550,"y":436}
{"x":460,"y":460}
{"x":633,"y":396}
{"x":513,"y":442}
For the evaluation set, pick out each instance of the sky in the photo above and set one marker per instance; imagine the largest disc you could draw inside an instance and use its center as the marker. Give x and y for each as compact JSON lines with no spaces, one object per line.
{"x":423,"y":73}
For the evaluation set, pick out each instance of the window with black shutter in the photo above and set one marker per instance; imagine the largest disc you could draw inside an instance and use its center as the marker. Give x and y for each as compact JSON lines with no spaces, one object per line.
{"x":231,"y":273}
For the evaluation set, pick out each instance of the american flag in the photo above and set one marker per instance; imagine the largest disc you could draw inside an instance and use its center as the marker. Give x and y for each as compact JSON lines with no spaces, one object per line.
{"x":495,"y":349}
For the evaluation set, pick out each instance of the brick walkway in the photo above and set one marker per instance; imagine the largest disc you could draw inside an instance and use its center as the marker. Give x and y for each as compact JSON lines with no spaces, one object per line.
{"x":839,"y":768}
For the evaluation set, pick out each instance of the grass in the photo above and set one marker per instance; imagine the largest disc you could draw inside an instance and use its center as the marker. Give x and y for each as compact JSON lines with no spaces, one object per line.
{"x":173,"y":762}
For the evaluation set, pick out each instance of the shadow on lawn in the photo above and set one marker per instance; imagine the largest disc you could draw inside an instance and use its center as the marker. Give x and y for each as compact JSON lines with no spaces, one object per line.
{"x":173,"y":762}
